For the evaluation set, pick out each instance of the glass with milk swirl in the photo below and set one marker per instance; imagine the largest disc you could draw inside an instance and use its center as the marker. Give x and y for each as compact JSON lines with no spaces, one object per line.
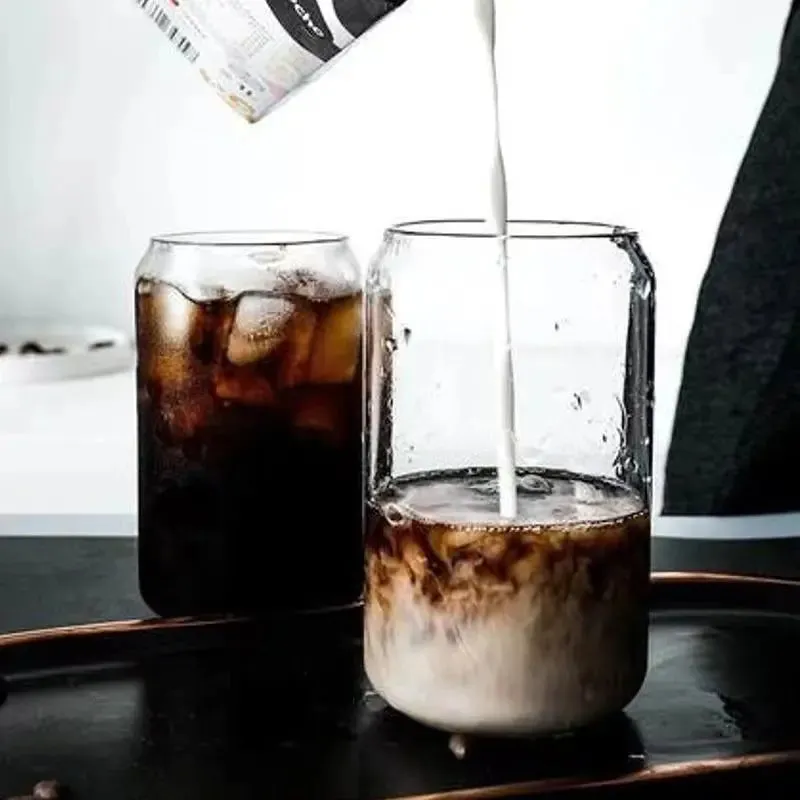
{"x":477,"y":623}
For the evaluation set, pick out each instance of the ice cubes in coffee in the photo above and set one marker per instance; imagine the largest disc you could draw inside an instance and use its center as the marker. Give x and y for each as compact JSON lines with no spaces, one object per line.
{"x":250,"y":448}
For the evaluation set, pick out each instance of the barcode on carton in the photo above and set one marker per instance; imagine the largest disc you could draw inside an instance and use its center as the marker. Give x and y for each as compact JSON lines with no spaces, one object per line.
{"x":155,"y":11}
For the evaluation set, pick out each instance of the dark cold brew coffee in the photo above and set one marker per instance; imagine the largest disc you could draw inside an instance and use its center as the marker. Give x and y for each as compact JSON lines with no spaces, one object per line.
{"x":250,"y":490}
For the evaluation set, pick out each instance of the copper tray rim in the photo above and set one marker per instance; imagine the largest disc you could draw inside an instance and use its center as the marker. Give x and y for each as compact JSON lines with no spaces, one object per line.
{"x":508,"y":791}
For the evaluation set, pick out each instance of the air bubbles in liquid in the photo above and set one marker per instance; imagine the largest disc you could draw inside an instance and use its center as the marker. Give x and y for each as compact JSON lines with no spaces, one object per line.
{"x":394,"y":515}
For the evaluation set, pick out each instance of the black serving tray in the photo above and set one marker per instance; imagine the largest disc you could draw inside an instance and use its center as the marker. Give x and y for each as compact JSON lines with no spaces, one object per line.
{"x":195,"y":709}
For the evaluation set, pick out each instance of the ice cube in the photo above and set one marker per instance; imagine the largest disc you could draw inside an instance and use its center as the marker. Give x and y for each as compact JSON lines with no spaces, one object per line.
{"x":296,"y":352}
{"x":337,"y":342}
{"x":259,"y":327}
{"x":322,"y":281}
{"x":455,"y":539}
{"x":243,"y":385}
{"x":167,"y":317}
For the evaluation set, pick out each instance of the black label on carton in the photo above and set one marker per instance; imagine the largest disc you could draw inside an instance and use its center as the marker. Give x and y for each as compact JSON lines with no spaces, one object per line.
{"x":358,"y":16}
{"x":305,"y":23}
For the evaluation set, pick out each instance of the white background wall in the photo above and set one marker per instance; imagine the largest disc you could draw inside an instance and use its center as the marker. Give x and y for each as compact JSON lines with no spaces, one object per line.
{"x":620,"y":110}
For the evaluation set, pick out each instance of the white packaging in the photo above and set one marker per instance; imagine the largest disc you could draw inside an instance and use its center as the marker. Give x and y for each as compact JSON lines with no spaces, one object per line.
{"x":255,"y":53}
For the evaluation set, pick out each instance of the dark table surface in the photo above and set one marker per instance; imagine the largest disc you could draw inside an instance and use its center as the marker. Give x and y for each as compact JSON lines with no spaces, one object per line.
{"x":48,"y":582}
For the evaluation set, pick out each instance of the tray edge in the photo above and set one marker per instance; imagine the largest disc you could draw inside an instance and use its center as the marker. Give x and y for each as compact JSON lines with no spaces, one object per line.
{"x":152,"y":624}
{"x":659,"y":772}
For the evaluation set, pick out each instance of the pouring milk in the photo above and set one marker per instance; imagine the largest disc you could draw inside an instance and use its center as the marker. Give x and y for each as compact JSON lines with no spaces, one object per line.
{"x":498,"y":225}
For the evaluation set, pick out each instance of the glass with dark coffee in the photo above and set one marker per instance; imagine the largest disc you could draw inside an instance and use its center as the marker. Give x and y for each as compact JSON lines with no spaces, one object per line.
{"x":480,"y":621}
{"x":249,"y":408}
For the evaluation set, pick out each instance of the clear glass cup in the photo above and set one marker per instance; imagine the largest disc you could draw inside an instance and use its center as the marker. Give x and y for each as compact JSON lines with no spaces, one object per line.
{"x":475,"y":623}
{"x":250,"y":436}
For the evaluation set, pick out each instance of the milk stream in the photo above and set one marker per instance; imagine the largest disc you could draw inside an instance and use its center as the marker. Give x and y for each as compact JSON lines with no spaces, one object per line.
{"x":498,"y":222}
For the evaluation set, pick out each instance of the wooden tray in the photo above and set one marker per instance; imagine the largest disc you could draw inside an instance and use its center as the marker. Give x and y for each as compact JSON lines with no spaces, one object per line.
{"x":191,"y":709}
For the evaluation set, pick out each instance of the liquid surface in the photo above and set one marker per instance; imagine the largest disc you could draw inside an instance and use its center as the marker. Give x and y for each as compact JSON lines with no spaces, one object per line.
{"x":468,"y":498}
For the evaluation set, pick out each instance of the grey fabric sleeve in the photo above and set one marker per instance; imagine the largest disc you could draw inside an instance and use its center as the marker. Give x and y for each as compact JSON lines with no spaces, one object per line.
{"x":736,"y":440}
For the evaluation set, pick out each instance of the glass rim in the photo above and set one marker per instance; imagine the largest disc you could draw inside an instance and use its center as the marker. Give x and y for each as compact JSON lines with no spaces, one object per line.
{"x":474,"y":228}
{"x":250,"y":238}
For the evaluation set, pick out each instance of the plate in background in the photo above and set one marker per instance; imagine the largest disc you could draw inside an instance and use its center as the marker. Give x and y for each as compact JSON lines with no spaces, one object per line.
{"x":36,"y":351}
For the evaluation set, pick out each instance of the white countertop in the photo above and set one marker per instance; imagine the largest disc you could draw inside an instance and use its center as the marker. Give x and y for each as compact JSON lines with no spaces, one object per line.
{"x":69,"y":450}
